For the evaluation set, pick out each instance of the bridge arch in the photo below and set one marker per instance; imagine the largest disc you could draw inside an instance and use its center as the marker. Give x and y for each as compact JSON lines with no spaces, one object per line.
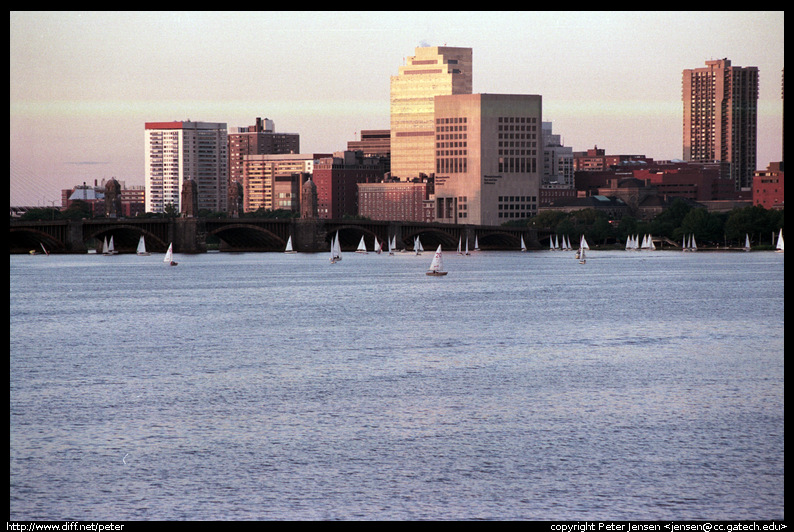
{"x":350,"y":235}
{"x":498,"y":239}
{"x":431,"y":237}
{"x":125,"y":237}
{"x":24,"y":239}
{"x":248,"y":237}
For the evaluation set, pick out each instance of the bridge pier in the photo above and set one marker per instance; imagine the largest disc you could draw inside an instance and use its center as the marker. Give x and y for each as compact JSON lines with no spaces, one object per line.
{"x":188,"y":236}
{"x":308,"y":235}
{"x":74,"y":243}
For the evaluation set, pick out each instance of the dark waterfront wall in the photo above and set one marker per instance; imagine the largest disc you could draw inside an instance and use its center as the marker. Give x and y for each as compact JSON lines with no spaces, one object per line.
{"x":189,"y":235}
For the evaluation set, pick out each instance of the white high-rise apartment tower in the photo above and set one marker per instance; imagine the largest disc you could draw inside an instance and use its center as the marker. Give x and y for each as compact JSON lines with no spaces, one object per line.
{"x":176,"y":151}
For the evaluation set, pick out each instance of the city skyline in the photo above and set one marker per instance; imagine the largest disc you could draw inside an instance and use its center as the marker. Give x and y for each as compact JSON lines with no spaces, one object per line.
{"x":83,"y":84}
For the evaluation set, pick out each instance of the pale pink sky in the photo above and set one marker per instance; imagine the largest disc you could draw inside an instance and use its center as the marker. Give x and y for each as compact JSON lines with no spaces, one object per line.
{"x":83,"y":84}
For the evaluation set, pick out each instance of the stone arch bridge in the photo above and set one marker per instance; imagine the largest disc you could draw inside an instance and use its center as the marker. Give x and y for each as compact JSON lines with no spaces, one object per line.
{"x":190,"y":235}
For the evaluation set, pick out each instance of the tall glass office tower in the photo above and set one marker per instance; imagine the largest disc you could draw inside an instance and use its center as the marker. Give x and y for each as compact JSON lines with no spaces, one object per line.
{"x":433,"y":71}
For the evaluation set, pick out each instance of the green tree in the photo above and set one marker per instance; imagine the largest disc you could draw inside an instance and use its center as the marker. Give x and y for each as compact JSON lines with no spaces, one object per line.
{"x":45,"y":213}
{"x":547,"y":220}
{"x":755,"y":221}
{"x":171,"y":211}
{"x":707,"y":227}
{"x":78,"y":210}
{"x":627,"y":226}
{"x":601,"y":230}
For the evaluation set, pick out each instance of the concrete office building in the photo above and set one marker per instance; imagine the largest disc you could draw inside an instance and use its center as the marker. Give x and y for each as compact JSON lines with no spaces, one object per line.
{"x":176,"y":151}
{"x":258,"y":139}
{"x":488,"y":157}
{"x":267,"y":179}
{"x":337,"y":178}
{"x":403,"y":201}
{"x":557,"y":160}
{"x":433,"y":71}
{"x":373,"y":142}
{"x":721,"y":118}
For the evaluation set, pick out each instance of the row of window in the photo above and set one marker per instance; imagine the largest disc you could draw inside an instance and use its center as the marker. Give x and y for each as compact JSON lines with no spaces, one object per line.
{"x":517,"y":164}
{"x":518,"y":119}
{"x":452,"y":165}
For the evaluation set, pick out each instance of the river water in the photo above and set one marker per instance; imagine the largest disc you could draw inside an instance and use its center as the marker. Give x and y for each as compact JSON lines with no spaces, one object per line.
{"x":641,"y":385}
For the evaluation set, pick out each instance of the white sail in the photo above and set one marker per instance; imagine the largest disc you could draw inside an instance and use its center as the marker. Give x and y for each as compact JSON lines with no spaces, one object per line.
{"x":583,"y":243}
{"x":779,"y":246}
{"x":436,"y":265}
{"x":169,"y":255}
{"x":391,"y":248}
{"x":336,"y":249}
{"x":377,"y":247}
{"x":362,"y":247}
{"x":111,"y":247}
{"x":628,"y":243}
{"x":692,"y":244}
{"x":567,"y":243}
{"x":289,"y":249}
{"x":142,"y":247}
{"x":105,"y":248}
{"x":476,"y":244}
{"x":746,"y":242}
{"x":460,"y":242}
{"x":523,"y":246}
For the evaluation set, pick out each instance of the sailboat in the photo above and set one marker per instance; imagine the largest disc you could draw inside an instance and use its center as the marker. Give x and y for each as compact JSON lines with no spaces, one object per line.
{"x":418,"y":249}
{"x":169,"y":255}
{"x":436,"y":266}
{"x":378,"y":247}
{"x":289,"y":249}
{"x":746,"y":242}
{"x":392,"y":244}
{"x":142,"y":248}
{"x":336,"y":249}
{"x":582,"y":246}
{"x":552,"y":245}
{"x":362,"y":247}
{"x":523,"y":246}
{"x":460,"y":241}
{"x":476,"y":244}
{"x":106,"y":247}
{"x":779,"y":245}
{"x":44,"y":249}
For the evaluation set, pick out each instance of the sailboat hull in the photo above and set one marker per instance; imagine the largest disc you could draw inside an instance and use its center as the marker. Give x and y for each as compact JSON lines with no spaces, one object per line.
{"x":436,"y":274}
